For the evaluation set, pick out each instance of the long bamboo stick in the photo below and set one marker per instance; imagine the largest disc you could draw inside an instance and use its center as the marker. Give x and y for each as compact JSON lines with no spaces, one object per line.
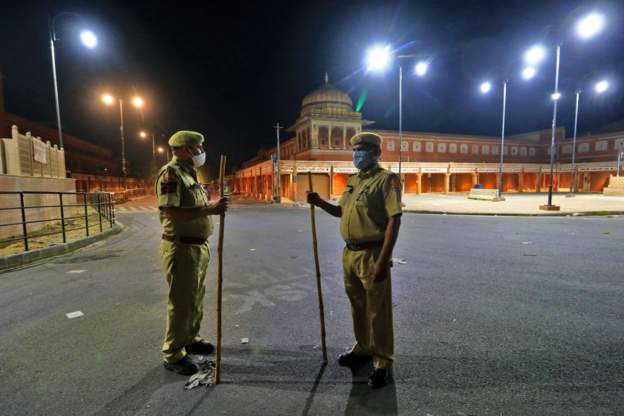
{"x":220,"y":269}
{"x":318,"y":272}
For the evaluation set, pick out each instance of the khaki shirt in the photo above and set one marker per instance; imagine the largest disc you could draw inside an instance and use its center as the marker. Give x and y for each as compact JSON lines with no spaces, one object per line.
{"x":177,"y":187}
{"x":367,"y":203}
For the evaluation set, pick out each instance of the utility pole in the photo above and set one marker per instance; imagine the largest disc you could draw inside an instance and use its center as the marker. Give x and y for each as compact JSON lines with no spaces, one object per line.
{"x":278,"y":197}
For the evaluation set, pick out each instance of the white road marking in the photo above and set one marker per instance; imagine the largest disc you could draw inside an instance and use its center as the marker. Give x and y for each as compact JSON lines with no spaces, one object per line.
{"x":76,"y":271}
{"x":75,"y":314}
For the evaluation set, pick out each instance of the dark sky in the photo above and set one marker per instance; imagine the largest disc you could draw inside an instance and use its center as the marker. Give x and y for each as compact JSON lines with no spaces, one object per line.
{"x":232,"y":69}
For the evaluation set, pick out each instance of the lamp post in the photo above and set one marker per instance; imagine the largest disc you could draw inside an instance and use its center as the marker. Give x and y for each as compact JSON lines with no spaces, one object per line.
{"x":619,"y":159}
{"x":278,"y":197}
{"x":599,"y":88}
{"x":137,"y":102}
{"x":485,"y":87}
{"x":377,"y":60}
{"x":143,"y":135}
{"x":586,"y":28}
{"x":89,"y":40}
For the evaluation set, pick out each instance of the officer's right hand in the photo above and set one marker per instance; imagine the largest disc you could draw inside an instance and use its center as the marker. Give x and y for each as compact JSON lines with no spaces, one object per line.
{"x":314,"y":198}
{"x":221,"y":206}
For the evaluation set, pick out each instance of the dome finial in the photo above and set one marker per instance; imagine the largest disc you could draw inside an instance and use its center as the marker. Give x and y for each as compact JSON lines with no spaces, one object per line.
{"x":326,"y":78}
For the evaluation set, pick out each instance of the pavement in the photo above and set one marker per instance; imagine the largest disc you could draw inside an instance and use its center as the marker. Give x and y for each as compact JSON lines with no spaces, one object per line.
{"x":493,"y":316}
{"x":515,"y":204}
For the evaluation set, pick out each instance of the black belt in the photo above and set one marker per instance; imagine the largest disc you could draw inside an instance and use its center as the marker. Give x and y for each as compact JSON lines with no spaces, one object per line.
{"x":364,"y":246}
{"x":184,"y":240}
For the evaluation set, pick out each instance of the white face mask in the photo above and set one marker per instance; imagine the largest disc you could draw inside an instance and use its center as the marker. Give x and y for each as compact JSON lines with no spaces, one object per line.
{"x":199,"y":160}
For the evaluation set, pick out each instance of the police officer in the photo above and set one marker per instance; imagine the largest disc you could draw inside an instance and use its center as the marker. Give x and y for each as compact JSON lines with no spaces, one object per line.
{"x":184,"y":253}
{"x":370,"y":217}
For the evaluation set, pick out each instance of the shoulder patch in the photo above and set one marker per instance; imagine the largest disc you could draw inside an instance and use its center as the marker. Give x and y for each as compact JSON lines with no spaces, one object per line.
{"x":394,"y":184}
{"x":169,"y":182}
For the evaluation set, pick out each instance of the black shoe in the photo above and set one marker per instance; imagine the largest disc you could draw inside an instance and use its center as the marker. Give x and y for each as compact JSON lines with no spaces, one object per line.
{"x":351,"y":359}
{"x":185,"y":366}
{"x":378,"y":378}
{"x":200,"y":348}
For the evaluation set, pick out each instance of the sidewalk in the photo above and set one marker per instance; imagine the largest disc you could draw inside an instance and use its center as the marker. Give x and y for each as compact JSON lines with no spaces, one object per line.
{"x":515,"y":204}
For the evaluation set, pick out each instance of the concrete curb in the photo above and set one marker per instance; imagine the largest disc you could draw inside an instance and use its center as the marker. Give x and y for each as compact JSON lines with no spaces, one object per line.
{"x":22,"y":259}
{"x":514,"y":214}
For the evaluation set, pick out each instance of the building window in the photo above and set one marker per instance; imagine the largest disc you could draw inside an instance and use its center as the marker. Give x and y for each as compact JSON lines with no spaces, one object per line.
{"x":390,"y":146}
{"x":494,"y":150}
{"x":416,"y":146}
{"x":463,"y":148}
{"x":485,"y":149}
{"x":523,"y":151}
{"x":532,"y":151}
{"x":441,"y":147}
{"x":429,"y":147}
{"x":506,"y":150}
{"x":583,"y":148}
{"x":404,"y":146}
{"x":601,"y":146}
{"x":452,"y":148}
{"x":475,"y":149}
{"x":619,"y":144}
{"x":566,"y":149}
{"x":514,"y":151}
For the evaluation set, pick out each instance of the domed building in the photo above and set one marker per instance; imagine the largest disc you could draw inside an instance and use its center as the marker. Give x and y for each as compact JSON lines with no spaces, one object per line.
{"x":429,"y":162}
{"x":327,"y":120}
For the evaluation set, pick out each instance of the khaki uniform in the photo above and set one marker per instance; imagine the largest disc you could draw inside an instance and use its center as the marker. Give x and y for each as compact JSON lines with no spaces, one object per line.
{"x":367,"y":203}
{"x":184,"y":264}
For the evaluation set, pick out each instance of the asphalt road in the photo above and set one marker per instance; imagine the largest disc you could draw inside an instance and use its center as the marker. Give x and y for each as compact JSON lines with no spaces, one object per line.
{"x":493,"y":316}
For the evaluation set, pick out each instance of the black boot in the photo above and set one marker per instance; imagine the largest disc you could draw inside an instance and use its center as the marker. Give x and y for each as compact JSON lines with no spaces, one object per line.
{"x":378,"y":378}
{"x":351,"y":359}
{"x":185,"y":366}
{"x":200,"y":348}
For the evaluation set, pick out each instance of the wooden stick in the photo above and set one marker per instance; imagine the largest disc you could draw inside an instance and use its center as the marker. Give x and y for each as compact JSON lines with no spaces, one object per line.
{"x":318,"y":272}
{"x":220,"y":269}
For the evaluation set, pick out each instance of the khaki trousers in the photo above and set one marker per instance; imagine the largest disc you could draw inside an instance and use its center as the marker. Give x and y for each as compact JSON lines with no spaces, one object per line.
{"x":371,"y":306}
{"x":185,"y":267}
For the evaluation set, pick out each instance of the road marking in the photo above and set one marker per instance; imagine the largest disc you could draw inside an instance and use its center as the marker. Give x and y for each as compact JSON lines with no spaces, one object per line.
{"x":76,"y":271}
{"x":75,"y":314}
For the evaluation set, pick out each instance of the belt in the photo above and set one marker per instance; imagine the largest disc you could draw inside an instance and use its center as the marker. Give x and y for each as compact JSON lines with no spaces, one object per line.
{"x":184,"y":240}
{"x":364,"y":246}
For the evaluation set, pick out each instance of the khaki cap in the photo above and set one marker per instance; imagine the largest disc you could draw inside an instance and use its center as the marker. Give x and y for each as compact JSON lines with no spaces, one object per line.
{"x":186,"y":138}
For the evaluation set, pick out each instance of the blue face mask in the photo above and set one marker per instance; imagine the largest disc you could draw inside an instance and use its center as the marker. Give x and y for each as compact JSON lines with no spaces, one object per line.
{"x":362,"y":159}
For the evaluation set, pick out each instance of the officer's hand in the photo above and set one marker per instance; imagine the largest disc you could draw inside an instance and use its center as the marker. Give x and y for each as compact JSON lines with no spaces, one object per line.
{"x":380,"y":272}
{"x":221,"y":206}
{"x":314,"y":198}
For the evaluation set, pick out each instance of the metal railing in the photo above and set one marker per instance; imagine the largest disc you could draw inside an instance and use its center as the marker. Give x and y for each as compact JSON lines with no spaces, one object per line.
{"x":62,"y":212}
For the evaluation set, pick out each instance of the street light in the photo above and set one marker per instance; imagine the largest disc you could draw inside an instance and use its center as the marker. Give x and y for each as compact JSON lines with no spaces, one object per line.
{"x":535,"y":55}
{"x":421,"y":68}
{"x":89,"y":40}
{"x":590,"y":25}
{"x":485,"y":88}
{"x":586,"y":28}
{"x":109,"y":99}
{"x":378,"y":59}
{"x":528,"y":73}
{"x":599,"y":88}
{"x":137,"y":102}
{"x":143,"y":135}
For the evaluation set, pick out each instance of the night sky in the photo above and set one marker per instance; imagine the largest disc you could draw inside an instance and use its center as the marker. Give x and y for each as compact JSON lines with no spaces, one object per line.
{"x":232,"y":69}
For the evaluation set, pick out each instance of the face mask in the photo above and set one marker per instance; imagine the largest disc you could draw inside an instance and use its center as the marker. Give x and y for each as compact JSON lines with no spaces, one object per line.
{"x":199,"y":160}
{"x":362,"y":159}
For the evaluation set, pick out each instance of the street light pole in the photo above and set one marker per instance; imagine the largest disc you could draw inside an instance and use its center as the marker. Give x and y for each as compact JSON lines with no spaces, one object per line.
{"x":502,"y":148}
{"x":619,"y":160}
{"x":278,"y":197}
{"x":56,"y":94}
{"x":576,"y":111}
{"x":400,"y":123}
{"x":124,"y":170}
{"x":555,"y":97}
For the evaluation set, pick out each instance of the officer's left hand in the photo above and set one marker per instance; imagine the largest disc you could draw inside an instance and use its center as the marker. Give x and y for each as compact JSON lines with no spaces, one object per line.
{"x":380,"y":273}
